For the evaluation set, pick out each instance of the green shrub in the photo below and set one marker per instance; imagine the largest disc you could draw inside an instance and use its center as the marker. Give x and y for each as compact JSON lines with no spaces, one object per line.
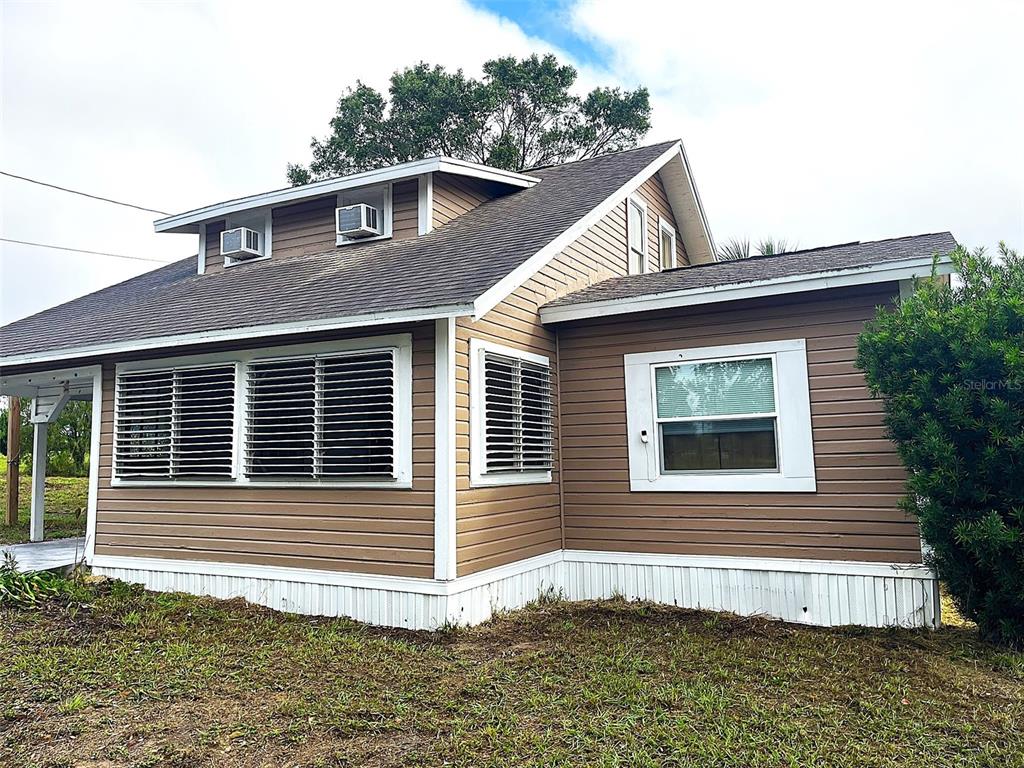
{"x":949,"y":363}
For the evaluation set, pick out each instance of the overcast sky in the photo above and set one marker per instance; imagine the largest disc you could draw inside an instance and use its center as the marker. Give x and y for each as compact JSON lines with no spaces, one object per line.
{"x":811,"y":121}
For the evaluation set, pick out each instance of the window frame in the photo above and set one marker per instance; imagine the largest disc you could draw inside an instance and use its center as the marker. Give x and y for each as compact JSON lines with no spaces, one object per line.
{"x":794,"y":443}
{"x":387,"y":213}
{"x":247,"y":219}
{"x":479,"y":477}
{"x":663,"y":227}
{"x":641,"y":204}
{"x":401,"y":343}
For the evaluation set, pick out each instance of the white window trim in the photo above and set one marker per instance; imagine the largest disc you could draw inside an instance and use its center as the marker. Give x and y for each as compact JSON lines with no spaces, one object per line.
{"x":401,"y":343}
{"x":478,"y":478}
{"x":640,"y":203}
{"x":387,"y":215}
{"x":665,"y":226}
{"x":792,"y":403}
{"x":266,"y":234}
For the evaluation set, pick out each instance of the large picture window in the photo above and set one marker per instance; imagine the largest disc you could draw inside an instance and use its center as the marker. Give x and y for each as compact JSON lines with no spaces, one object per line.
{"x":720,"y":419}
{"x":511,"y":410}
{"x":335,"y":413}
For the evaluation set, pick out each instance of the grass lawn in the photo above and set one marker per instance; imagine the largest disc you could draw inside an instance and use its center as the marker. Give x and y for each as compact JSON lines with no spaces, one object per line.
{"x":65,"y":507}
{"x":118,"y":677}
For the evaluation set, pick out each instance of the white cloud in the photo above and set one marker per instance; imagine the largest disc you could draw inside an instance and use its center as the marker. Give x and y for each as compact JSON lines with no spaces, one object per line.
{"x":829,"y":123}
{"x":801,"y":120}
{"x":173,"y":106}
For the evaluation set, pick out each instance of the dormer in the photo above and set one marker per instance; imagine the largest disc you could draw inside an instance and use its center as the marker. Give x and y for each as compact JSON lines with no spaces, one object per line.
{"x":395,"y":203}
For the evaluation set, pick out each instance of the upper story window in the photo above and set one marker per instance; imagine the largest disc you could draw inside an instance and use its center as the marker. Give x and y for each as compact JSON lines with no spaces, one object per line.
{"x":246,"y":237}
{"x":733,"y":418}
{"x":364,"y":214}
{"x":666,"y":244}
{"x":335,"y":413}
{"x":511,"y":414}
{"x":636,"y":232}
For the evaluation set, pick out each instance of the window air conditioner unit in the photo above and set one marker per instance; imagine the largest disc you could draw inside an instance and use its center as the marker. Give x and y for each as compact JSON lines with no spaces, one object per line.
{"x":240,"y":243}
{"x":357,"y":221}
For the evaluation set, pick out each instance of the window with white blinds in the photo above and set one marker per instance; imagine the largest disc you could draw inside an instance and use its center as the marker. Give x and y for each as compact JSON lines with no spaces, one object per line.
{"x":333,"y":413}
{"x":514,"y":416}
{"x":321,"y":417}
{"x":175,"y":423}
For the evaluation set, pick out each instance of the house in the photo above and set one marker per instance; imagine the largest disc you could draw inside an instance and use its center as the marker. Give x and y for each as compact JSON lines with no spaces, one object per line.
{"x":424,"y":393}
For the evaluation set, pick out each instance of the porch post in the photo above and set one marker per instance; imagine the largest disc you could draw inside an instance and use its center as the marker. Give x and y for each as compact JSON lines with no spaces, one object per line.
{"x":38,"y":480}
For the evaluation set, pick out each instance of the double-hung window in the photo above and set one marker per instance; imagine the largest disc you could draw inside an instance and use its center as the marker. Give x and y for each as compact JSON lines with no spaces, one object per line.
{"x":333,"y":413}
{"x":512,"y":416}
{"x":720,"y":419}
{"x":636,"y":234}
{"x":666,"y":244}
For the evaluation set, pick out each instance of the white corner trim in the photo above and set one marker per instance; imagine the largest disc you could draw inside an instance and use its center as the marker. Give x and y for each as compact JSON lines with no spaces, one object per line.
{"x":187,"y":221}
{"x":478,"y":478}
{"x":500,"y":290}
{"x":92,"y":500}
{"x":444,"y":449}
{"x":792,"y":413}
{"x":876,"y":273}
{"x":201,"y":257}
{"x":237,"y":334}
{"x":425,"y":204}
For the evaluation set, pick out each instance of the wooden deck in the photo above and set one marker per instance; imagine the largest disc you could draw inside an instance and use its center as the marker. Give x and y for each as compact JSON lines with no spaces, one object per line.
{"x":46,"y":555}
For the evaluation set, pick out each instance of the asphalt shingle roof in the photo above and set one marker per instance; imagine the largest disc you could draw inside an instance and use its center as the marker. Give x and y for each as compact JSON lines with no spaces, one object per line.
{"x":452,"y":265}
{"x":755,"y":269}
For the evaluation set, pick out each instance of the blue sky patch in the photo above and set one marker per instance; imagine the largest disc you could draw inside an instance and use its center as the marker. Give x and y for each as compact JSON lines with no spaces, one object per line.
{"x":548,"y":21}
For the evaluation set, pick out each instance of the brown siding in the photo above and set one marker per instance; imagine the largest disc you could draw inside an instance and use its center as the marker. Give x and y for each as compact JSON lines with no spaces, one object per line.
{"x":214,"y":260}
{"x":852,"y":516}
{"x":653,"y":191}
{"x":455,"y":195}
{"x":367,"y":530}
{"x":503,"y":524}
{"x":306,"y":227}
{"x":405,"y":200}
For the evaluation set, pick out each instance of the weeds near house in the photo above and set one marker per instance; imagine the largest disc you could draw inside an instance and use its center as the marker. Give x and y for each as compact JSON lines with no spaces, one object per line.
{"x":106,"y":674}
{"x":25,"y":590}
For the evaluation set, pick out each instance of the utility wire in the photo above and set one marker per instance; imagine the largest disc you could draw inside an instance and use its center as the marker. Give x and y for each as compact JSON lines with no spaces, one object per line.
{"x":83,"y":194}
{"x":82,"y":250}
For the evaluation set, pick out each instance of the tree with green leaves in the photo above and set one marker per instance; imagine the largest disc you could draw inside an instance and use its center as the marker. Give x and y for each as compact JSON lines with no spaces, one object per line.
{"x":67,"y":439}
{"x":739,"y":248}
{"x":949,"y":364}
{"x":521,"y":114}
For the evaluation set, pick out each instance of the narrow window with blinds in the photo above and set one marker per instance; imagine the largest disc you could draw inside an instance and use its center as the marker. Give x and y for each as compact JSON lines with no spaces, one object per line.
{"x":516,"y":418}
{"x":717,"y":416}
{"x":175,"y":424}
{"x":321,"y":418}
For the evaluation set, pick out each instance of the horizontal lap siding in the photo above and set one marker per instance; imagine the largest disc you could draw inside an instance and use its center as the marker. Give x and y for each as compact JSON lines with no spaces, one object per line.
{"x":306,"y":227}
{"x":854,"y":514}
{"x":405,"y":200}
{"x":653,"y":191}
{"x":366,"y":530}
{"x":455,"y":195}
{"x":214,"y":259}
{"x":503,"y":524}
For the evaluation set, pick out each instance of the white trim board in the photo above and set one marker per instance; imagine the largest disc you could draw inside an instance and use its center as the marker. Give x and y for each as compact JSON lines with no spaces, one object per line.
{"x":444,"y":449}
{"x":893,"y":271}
{"x":238,"y":334}
{"x":510,"y":282}
{"x":188,"y":221}
{"x":827,"y":593}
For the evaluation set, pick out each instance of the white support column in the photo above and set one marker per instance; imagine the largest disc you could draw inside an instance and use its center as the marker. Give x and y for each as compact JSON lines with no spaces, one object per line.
{"x":38,"y":480}
{"x":444,"y":449}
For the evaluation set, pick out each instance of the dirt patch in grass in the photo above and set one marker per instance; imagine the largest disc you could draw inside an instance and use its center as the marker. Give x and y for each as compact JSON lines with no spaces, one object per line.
{"x":111,"y":675}
{"x":66,"y":499}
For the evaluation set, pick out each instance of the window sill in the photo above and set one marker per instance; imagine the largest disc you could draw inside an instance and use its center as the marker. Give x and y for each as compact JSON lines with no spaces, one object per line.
{"x":307,"y":484}
{"x":239,"y":262}
{"x":519,"y":478}
{"x":342,"y":240}
{"x":725,"y":483}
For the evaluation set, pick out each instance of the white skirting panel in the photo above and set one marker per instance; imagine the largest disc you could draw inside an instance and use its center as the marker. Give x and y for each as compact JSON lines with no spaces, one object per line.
{"x":825,"y":593}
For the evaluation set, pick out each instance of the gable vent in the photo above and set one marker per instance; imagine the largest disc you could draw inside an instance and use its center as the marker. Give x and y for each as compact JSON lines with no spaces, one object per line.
{"x":321,"y":417}
{"x":517,"y":415}
{"x":175,"y":423}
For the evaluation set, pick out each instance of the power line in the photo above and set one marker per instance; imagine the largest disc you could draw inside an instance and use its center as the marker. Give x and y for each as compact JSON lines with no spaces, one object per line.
{"x":82,"y":250}
{"x":83,"y":194}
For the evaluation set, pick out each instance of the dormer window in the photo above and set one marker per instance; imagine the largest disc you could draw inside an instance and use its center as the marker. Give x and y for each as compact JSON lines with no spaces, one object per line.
{"x":363,"y":215}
